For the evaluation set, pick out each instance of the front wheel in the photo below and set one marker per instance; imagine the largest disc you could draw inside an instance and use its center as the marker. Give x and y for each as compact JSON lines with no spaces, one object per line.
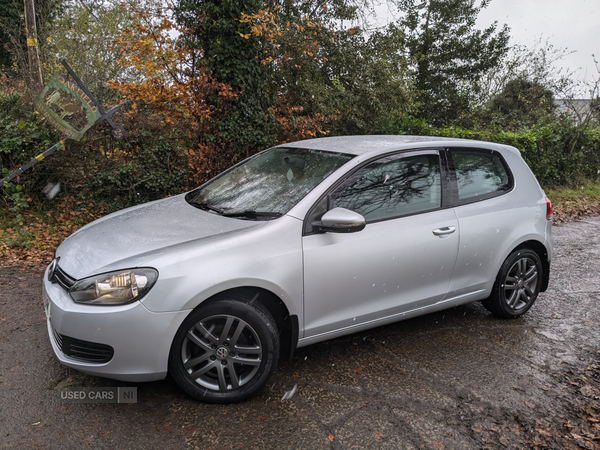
{"x":517,"y":285}
{"x":225,"y":352}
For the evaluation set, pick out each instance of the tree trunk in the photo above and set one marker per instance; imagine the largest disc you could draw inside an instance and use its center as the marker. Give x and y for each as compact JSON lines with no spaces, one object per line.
{"x":35,"y":69}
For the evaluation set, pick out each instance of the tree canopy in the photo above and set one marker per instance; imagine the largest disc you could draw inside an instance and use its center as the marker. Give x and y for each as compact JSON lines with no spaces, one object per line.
{"x":208,"y":83}
{"x":447,"y":53}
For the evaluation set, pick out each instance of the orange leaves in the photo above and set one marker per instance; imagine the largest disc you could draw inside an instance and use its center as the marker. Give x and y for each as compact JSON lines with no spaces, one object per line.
{"x":171,"y":88}
{"x":262,"y":24}
{"x":169,"y":84}
{"x":277,"y":38}
{"x":169,"y":77}
{"x":293,"y":125}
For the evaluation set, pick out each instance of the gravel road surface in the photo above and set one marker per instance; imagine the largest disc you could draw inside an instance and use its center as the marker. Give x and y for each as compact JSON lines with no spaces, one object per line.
{"x":455,"y":379}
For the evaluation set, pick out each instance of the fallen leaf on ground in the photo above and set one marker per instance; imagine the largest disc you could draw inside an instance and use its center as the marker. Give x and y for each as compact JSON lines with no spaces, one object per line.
{"x":331,"y":438}
{"x":378,"y":435}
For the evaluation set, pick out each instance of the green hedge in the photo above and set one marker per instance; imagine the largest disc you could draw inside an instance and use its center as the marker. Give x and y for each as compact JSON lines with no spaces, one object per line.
{"x":562,"y":152}
{"x":151,"y":163}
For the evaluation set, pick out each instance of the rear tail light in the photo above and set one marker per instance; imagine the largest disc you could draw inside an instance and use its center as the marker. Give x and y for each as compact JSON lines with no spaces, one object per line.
{"x":548,"y":209}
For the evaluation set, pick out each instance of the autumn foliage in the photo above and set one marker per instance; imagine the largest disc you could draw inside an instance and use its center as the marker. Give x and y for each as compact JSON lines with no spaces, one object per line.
{"x":169,"y":81}
{"x":30,"y":240}
{"x":208,"y":84}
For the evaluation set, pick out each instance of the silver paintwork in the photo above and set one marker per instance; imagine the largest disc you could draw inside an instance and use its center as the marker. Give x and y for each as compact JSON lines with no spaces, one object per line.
{"x":122,"y":238}
{"x":334,"y":283}
{"x":342,"y":218}
{"x":383,"y":270}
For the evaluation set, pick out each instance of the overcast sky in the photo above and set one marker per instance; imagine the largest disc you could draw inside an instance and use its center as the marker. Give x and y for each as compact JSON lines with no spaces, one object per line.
{"x":571,"y":24}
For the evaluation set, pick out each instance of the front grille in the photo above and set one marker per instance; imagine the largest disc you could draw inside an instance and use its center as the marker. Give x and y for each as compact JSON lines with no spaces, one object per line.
{"x":62,"y":278}
{"x":83,"y":350}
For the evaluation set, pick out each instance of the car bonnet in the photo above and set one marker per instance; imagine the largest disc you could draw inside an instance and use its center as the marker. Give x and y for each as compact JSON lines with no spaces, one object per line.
{"x":137,"y":231}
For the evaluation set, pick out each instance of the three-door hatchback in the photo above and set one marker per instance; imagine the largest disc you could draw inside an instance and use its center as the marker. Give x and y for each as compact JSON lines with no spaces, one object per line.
{"x":298,"y":244}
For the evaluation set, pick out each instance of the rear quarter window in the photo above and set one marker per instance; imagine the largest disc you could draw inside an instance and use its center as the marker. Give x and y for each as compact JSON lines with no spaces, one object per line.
{"x":480,"y":175}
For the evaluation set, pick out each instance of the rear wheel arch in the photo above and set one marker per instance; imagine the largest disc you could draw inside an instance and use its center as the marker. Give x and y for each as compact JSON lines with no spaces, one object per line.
{"x":542,"y":252}
{"x":517,"y":284}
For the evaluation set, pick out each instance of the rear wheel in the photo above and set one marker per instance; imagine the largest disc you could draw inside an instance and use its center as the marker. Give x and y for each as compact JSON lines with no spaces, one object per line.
{"x":517,"y":285}
{"x":225,"y":352}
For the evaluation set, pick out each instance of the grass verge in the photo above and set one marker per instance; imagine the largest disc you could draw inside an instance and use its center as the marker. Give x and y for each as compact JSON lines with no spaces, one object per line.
{"x":574,"y":202}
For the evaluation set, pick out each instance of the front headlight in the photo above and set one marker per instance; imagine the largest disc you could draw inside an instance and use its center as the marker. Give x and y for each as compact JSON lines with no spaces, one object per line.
{"x":114,"y":288}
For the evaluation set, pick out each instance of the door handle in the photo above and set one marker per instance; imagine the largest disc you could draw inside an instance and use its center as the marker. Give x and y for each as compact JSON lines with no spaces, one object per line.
{"x":444,"y":231}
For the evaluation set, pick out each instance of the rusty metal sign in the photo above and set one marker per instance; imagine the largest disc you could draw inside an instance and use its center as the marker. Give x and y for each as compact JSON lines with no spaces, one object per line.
{"x":64,"y":105}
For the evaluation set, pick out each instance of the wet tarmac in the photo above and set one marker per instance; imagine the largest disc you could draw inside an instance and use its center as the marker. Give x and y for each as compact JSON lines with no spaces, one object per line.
{"x":455,"y":379}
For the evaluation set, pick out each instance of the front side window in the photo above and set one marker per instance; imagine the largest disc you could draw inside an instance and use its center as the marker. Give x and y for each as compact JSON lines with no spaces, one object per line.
{"x":267,"y":185}
{"x":480,"y":175}
{"x":393,"y":187}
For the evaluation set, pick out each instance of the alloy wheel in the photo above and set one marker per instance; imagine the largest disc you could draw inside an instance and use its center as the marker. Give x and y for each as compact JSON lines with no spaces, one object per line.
{"x":520,"y":283}
{"x":221,"y":352}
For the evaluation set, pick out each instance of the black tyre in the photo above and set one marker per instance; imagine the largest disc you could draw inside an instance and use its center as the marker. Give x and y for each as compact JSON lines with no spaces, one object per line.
{"x":225,"y":352}
{"x":517,"y":285}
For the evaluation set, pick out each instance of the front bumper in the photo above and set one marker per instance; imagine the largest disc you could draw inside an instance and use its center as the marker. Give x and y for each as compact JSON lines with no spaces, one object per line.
{"x":127,"y":342}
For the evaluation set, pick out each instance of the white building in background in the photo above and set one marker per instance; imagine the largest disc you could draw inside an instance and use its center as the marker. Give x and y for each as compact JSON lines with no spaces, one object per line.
{"x":579,"y":108}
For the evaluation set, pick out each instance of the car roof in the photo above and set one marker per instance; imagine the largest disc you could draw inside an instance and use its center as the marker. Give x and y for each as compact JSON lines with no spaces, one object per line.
{"x":375,"y":144}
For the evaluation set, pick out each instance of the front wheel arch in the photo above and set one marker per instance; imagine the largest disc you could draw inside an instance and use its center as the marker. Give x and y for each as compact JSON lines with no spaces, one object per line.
{"x":224,"y":351}
{"x":287,"y":324}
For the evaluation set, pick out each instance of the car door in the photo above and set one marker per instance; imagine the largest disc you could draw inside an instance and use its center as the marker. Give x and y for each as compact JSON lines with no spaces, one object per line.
{"x":403,"y":258}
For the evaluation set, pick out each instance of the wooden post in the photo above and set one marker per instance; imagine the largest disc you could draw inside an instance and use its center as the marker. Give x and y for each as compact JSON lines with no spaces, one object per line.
{"x":35,"y":69}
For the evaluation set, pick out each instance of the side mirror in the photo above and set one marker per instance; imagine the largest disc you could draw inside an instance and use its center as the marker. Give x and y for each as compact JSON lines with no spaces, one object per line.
{"x":340,"y":220}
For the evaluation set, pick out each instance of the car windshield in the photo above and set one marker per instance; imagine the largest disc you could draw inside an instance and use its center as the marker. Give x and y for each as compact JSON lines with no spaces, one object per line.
{"x":267,"y":185}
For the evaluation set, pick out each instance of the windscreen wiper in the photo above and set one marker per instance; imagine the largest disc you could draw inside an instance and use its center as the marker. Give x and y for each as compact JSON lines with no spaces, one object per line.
{"x":251,"y":214}
{"x":206,"y":207}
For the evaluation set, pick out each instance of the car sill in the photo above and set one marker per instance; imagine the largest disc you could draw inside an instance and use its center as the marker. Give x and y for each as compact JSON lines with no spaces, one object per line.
{"x":442,"y":304}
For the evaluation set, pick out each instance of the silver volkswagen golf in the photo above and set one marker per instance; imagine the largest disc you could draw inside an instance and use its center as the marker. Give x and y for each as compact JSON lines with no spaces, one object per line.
{"x":298,"y":244}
